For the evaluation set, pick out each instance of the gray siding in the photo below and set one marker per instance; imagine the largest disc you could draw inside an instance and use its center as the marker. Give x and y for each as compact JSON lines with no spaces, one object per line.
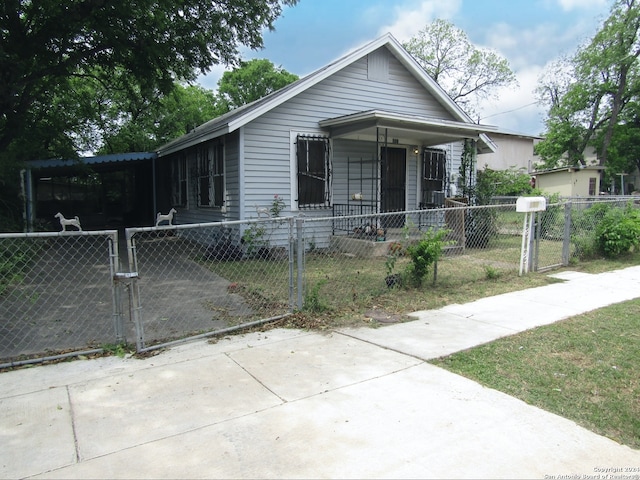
{"x":267,"y":144}
{"x":194,"y":214}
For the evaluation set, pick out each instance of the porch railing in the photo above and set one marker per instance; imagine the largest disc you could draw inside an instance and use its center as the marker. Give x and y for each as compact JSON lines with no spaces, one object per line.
{"x":348,"y":210}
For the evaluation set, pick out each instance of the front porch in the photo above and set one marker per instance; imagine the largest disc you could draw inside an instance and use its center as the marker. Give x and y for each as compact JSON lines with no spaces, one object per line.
{"x":359,"y":231}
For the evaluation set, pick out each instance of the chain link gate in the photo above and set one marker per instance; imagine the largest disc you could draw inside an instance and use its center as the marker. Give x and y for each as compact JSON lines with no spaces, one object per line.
{"x":198,"y":280}
{"x":57,"y":295}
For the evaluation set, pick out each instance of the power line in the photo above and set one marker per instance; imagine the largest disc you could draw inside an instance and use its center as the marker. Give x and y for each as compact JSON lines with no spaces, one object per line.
{"x":509,"y":111}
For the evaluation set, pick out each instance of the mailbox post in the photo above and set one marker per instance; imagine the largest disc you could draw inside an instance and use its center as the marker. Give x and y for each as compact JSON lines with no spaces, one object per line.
{"x":529,"y":206}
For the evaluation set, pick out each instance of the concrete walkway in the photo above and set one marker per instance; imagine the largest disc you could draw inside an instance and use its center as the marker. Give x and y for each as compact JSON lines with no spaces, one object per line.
{"x":354,"y":403}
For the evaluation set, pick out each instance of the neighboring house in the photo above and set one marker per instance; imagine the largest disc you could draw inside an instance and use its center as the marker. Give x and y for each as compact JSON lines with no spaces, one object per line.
{"x":513,"y":151}
{"x":571,"y":181}
{"x":370,"y":130}
{"x":368,"y":133}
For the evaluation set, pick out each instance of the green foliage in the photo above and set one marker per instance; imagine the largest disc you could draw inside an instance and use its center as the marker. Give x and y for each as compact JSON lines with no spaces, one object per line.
{"x":49,"y":48}
{"x":583,"y":230}
{"x":623,"y":154}
{"x":253,"y":238}
{"x":589,"y":95}
{"x":15,"y":258}
{"x":142,"y":123}
{"x":467,"y":73}
{"x":277,"y":205}
{"x":492,"y":273}
{"x":466,"y":169}
{"x":424,"y":253}
{"x":508,"y":183}
{"x":120,"y":350}
{"x":251,"y":81}
{"x":312,"y":301}
{"x":619,"y":231}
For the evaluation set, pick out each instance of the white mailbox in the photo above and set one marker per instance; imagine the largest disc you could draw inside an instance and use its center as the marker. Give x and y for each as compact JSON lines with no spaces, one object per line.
{"x":531,"y":204}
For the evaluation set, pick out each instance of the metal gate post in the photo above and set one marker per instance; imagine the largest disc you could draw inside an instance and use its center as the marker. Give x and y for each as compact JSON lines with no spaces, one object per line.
{"x":116,"y":289}
{"x":300,"y":252}
{"x":134,"y":291}
{"x":292,"y":246}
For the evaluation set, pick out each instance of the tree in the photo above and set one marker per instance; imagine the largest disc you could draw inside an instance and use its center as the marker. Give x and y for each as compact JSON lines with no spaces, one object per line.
{"x":45,"y":44}
{"x":128,"y":121}
{"x":252,"y":80}
{"x":467,"y":73}
{"x":599,"y":82}
{"x":147,"y":123}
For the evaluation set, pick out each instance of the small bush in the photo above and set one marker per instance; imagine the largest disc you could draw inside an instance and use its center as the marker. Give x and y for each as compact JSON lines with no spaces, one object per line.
{"x":312,"y":301}
{"x":492,"y":273}
{"x":424,"y":254}
{"x":618,"y":232}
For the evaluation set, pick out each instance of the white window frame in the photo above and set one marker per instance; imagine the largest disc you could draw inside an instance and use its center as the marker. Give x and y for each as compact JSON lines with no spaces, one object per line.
{"x":293,"y":137}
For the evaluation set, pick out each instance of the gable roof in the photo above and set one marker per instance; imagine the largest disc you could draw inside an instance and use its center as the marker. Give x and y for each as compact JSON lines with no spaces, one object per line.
{"x":239,"y":117}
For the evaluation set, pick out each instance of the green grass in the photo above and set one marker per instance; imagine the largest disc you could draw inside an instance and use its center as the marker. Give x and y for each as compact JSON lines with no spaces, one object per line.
{"x":584,"y":369}
{"x":341,"y":287}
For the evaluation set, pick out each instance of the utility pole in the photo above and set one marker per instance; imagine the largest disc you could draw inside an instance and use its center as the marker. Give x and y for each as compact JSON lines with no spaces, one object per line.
{"x":622,"y":175}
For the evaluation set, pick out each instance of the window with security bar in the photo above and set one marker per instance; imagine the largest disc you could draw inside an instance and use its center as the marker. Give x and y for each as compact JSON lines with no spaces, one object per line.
{"x":433,"y":178}
{"x":210,"y":173}
{"x":179,"y":182}
{"x":312,"y":155}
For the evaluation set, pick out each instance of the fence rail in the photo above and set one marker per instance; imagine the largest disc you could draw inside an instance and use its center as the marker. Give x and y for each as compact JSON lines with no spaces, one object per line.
{"x":64,"y":293}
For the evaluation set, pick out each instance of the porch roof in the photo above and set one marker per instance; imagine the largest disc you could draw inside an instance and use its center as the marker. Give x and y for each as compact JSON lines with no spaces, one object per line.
{"x":377,"y":125}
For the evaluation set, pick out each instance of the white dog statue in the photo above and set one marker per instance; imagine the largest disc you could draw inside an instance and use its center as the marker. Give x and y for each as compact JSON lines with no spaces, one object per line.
{"x":166,"y":218}
{"x":74,"y":222}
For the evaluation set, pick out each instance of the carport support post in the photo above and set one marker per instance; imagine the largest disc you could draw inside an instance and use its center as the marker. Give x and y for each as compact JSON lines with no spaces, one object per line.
{"x":300,"y":257}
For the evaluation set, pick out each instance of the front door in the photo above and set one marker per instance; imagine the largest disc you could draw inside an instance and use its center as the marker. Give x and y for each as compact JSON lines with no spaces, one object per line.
{"x":393,"y":185}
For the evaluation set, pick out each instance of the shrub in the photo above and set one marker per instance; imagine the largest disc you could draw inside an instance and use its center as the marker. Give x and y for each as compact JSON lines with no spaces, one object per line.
{"x":424,"y":253}
{"x":619,"y":231}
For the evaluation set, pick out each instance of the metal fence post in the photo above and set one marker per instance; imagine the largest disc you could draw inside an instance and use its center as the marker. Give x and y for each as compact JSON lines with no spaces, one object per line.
{"x":537,"y":228}
{"x":134,"y":291}
{"x":566,"y":238}
{"x":300,"y":254}
{"x":292,"y":246}
{"x":116,"y":289}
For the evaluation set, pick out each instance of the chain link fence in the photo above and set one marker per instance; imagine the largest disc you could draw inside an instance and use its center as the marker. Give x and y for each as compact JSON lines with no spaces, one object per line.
{"x":192,"y":280}
{"x":367,"y":255}
{"x":56,"y":293}
{"x":68,"y":292}
{"x":582,"y":220}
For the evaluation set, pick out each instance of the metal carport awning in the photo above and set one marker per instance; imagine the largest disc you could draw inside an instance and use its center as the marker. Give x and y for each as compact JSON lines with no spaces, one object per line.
{"x":408,"y":129}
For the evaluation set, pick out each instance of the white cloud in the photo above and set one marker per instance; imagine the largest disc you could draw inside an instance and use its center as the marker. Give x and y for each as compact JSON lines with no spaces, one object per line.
{"x":568,"y":5}
{"x":410,"y":17}
{"x":517,"y":109}
{"x":210,"y":79}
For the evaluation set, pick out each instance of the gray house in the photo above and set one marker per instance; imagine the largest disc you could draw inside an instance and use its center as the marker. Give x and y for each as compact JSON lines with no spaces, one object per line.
{"x":368,"y":133}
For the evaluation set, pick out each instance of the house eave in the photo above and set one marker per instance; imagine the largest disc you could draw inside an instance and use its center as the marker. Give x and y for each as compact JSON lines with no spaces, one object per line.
{"x":192,"y":138}
{"x":427,"y":131}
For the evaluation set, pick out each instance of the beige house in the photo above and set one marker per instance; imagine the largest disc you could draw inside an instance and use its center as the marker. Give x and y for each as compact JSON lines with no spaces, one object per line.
{"x":570,"y":181}
{"x":514,"y":151}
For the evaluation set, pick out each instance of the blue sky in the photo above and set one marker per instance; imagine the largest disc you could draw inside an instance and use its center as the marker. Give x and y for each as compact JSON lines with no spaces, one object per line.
{"x":528,"y":33}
